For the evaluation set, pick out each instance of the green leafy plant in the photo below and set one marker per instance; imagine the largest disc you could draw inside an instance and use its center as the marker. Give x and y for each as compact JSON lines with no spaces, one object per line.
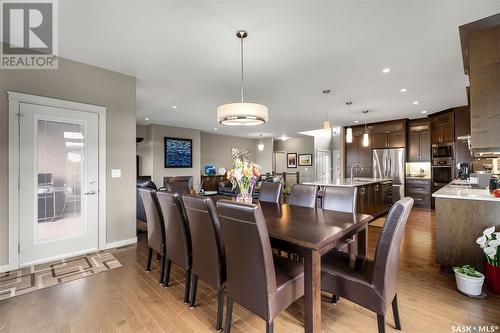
{"x":467,"y":270}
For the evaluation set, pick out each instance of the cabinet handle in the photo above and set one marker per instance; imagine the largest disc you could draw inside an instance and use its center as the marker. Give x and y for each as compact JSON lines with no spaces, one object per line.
{"x":418,"y":199}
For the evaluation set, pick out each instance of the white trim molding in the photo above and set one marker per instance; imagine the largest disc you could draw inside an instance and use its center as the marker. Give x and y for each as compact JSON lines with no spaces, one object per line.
{"x":125,"y":242}
{"x":15,"y":99}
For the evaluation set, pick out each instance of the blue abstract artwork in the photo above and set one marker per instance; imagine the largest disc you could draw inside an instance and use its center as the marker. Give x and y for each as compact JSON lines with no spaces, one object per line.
{"x":178,"y":153}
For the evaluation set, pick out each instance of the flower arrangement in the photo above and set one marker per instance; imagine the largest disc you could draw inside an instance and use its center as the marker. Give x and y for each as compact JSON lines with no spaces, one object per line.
{"x":243,"y":175}
{"x":490,"y":243}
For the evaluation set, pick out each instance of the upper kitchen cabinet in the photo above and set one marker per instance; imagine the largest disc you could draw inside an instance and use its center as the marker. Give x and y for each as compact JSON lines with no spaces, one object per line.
{"x":480,"y":50}
{"x":356,"y":152}
{"x":442,"y":127}
{"x":389,"y":134}
{"x":419,"y":140}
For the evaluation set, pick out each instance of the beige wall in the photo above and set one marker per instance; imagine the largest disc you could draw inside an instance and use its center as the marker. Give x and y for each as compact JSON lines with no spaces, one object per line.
{"x":216,"y":149}
{"x":87,"y":84}
{"x":302,"y":145}
{"x":155,"y":141}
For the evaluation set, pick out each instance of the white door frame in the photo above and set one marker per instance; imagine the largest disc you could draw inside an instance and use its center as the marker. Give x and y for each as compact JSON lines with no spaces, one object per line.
{"x":15,"y":99}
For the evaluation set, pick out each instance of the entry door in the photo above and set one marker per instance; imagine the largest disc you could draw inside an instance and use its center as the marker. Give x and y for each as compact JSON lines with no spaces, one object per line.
{"x":58,"y":183}
{"x":323,"y":166}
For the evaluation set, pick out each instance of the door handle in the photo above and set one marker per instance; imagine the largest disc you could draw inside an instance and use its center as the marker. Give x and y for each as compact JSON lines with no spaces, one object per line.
{"x":89,"y":193}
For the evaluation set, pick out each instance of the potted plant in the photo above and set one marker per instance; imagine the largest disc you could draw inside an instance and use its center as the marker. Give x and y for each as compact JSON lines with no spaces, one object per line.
{"x":490,"y":243}
{"x":469,"y":281}
{"x":243,"y":175}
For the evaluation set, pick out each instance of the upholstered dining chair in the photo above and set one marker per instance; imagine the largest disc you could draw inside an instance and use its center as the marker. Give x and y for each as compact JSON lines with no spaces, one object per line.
{"x":371,"y":283}
{"x":270,"y":192}
{"x":303,"y":195}
{"x":209,"y":258}
{"x":178,"y":238}
{"x":155,"y":228}
{"x":342,"y":199}
{"x":262,"y":283}
{"x":339,"y":198}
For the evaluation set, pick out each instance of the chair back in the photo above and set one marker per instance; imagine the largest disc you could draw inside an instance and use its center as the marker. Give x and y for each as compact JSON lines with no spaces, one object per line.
{"x":342,"y":199}
{"x":178,"y":239}
{"x":303,"y":195}
{"x":385,"y":264}
{"x":270,"y":192}
{"x":154,"y":220}
{"x":251,"y":278}
{"x":209,"y":259}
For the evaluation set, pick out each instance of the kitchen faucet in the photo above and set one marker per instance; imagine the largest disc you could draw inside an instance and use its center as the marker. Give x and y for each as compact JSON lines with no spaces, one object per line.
{"x":358,"y":165}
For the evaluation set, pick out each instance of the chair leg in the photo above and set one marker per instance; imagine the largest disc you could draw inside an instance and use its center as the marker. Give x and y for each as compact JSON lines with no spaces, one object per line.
{"x":381,"y":323}
{"x":270,"y":327}
{"x":220,"y":309}
{"x":150,"y":255}
{"x":187,"y":285}
{"x":194,"y":286}
{"x":162,"y":269}
{"x":335,"y":299}
{"x":167,"y":272}
{"x":229,"y":315}
{"x":395,"y":312}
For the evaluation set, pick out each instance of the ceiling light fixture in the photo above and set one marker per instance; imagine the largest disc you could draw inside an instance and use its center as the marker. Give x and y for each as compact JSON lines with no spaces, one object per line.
{"x":241,"y":113}
{"x":260,"y":146}
{"x":146,"y":119}
{"x":326,"y":123}
{"x":174,"y":107}
{"x":216,"y":129}
{"x":424,"y":111}
{"x":404,"y":90}
{"x":284,"y":137}
{"x":348,"y":134}
{"x":386,"y":70}
{"x":415,"y":102}
{"x":366,"y":139}
{"x":356,"y":121}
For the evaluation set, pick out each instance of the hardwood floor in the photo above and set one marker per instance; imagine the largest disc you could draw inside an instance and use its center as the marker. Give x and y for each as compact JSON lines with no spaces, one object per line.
{"x":128,"y":299}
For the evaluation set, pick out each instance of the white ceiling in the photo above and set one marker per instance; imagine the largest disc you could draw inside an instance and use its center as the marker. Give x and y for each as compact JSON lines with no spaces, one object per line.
{"x":185,"y":53}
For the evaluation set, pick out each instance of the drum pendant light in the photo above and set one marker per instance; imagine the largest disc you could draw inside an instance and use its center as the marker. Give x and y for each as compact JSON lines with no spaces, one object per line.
{"x":242,"y":113}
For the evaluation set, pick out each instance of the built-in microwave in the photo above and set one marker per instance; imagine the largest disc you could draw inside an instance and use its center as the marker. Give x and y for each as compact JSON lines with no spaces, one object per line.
{"x":442,"y":151}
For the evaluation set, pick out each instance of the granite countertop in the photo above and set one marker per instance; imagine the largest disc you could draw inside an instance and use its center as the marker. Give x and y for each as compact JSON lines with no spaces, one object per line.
{"x":462,"y":192}
{"x":346,"y":182}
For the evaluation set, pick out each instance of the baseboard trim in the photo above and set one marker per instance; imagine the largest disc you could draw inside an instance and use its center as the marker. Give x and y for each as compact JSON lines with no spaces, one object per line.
{"x":121,"y":243}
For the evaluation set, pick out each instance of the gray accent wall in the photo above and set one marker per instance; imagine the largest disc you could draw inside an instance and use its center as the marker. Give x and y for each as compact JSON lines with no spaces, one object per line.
{"x":216,"y":149}
{"x":301,"y":145}
{"x":79,"y":82}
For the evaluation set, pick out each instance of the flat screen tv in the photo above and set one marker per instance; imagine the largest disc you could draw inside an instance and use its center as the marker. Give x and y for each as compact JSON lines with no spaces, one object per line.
{"x":178,"y":153}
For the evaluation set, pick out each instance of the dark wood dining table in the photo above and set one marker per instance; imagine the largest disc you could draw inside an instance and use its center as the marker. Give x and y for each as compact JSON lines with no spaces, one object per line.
{"x":315,"y":231}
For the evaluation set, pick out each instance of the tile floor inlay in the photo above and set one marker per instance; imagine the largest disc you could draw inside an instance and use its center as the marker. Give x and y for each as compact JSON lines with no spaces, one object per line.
{"x":36,"y":277}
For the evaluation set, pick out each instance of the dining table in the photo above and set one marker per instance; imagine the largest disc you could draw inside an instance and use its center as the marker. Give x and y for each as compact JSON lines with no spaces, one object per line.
{"x":314,"y":231}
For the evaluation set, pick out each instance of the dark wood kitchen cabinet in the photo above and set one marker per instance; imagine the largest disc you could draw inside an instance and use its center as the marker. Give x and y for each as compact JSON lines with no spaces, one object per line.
{"x":356,"y":152}
{"x":420,"y":191}
{"x":442,"y":127}
{"x":389,"y":134}
{"x":374,"y":199}
{"x":419,"y":140}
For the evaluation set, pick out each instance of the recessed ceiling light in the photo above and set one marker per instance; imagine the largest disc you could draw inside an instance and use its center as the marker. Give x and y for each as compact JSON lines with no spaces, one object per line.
{"x":356,"y":121}
{"x":424,"y":111}
{"x":415,"y":102}
{"x":284,"y":137}
{"x":146,"y":119}
{"x":404,"y":90}
{"x":216,"y":128}
{"x":174,"y":107}
{"x":386,"y":70}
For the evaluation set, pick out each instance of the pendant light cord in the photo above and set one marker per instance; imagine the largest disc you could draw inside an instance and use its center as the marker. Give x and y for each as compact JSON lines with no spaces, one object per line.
{"x":242,"y":85}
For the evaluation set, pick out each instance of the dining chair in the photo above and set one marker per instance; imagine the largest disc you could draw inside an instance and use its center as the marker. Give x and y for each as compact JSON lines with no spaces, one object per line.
{"x":178,"y":238}
{"x":209,"y":258}
{"x":303,"y":195}
{"x":370,"y":283}
{"x":270,"y":192}
{"x":262,"y":283}
{"x":342,"y":199}
{"x":155,"y":228}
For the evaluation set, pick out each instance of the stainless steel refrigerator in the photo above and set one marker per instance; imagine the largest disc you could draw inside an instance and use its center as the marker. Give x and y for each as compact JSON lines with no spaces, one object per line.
{"x":390,"y":163}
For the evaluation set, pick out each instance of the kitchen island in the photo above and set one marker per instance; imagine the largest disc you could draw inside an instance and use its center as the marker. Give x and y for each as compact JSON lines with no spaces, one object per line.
{"x":462,"y":214}
{"x":374,"y":194}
